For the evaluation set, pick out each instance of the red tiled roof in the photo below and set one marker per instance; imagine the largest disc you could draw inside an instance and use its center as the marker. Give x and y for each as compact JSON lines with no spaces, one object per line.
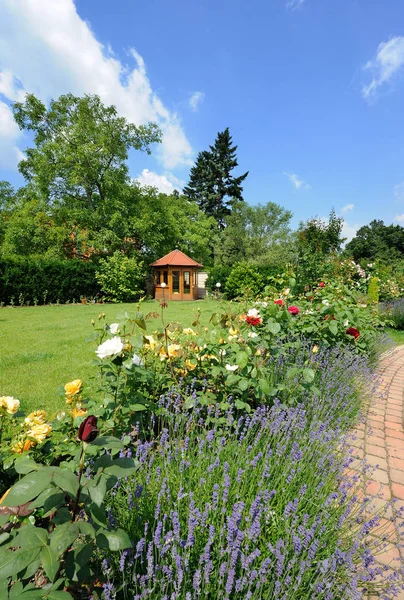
{"x":176,"y":258}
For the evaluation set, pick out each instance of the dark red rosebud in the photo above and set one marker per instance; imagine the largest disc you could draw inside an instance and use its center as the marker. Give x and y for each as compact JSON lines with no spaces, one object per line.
{"x":294,"y":310}
{"x":321,"y":284}
{"x":164,"y":304}
{"x":88,"y":429}
{"x":279,"y":302}
{"x":353,"y":332}
{"x":253,"y":320}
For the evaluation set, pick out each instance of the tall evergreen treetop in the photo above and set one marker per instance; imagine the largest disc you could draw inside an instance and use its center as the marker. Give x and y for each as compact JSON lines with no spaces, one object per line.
{"x":211,"y":183}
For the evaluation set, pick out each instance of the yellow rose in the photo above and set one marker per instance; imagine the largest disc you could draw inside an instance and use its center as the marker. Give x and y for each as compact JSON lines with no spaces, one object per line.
{"x":188,"y":331}
{"x":36,"y":418}
{"x":233,"y":331}
{"x":39,"y":432}
{"x":21,"y":447}
{"x":315,"y":349}
{"x":151,"y":342}
{"x":10,"y":404}
{"x":190,"y":365}
{"x":173,"y":350}
{"x":73,"y":387}
{"x":78,"y":411}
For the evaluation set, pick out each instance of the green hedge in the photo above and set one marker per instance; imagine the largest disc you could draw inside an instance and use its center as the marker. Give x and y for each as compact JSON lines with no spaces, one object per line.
{"x":40,"y":281}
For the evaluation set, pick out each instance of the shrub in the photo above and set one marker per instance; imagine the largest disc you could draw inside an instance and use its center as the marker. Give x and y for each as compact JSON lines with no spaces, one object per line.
{"x":122,"y":279}
{"x":373,"y":290}
{"x":38,"y":281}
{"x":395,"y":311}
{"x":245,"y":280}
{"x":217,"y":275}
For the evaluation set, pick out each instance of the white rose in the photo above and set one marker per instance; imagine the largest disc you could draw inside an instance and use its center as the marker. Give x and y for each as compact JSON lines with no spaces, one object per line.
{"x":114,"y":328}
{"x":252,"y":334}
{"x":110,"y":348}
{"x":286,"y":292}
{"x":253,"y":312}
{"x":325,"y":302}
{"x":222,"y":352}
{"x":231,"y":367}
{"x":136,"y":360}
{"x":346,"y":323}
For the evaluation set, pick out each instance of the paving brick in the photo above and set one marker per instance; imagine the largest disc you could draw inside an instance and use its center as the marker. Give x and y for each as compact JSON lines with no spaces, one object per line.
{"x":398,"y":444}
{"x":375,"y":488}
{"x":376,"y":450}
{"x":399,"y":435}
{"x":398,"y":490}
{"x":390,"y":556}
{"x":377,"y":461}
{"x":393,"y":419}
{"x":375,"y":441}
{"x":397,"y":476}
{"x":372,"y":424}
{"x":396,"y":463}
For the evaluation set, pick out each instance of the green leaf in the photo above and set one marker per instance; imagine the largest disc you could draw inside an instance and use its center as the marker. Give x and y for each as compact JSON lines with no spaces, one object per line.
{"x":137,"y":407}
{"x":97,"y":488}
{"x":29,"y":535}
{"x":264,"y":386}
{"x":12,"y":562}
{"x":273,"y":326}
{"x":62,"y":516}
{"x":86,"y":529}
{"x":50,"y":562}
{"x":25,"y":464}
{"x":58,"y":595}
{"x":28,"y":488}
{"x":67,"y":481}
{"x":108,"y":442}
{"x":15,"y":591}
{"x":243,"y":384}
{"x":97,"y":513}
{"x":63,"y":537}
{"x":40,"y":501}
{"x":308,"y":375}
{"x":113,"y":540}
{"x":53,"y":502}
{"x":333,"y":327}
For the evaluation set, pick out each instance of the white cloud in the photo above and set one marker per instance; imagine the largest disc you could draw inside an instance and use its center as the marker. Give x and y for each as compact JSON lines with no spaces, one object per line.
{"x":347,"y":208}
{"x":399,"y":218}
{"x":10,"y":155}
{"x":196,"y":100}
{"x":399,"y":191}
{"x":45,"y":45}
{"x":387,"y":64}
{"x":349,"y":231}
{"x":298,"y":183}
{"x":164,"y":183}
{"x":294,"y":4}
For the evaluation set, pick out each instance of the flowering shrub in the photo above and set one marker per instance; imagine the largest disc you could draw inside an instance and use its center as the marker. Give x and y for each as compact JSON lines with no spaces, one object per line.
{"x":206,"y":525}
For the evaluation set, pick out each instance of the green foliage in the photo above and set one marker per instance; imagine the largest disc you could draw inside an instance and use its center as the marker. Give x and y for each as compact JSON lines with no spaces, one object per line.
{"x":217,"y":274}
{"x":121,"y":278}
{"x":320,"y":237}
{"x":211,"y":183}
{"x":67,"y":523}
{"x":377,"y":241}
{"x":46,"y":280}
{"x":80,"y":148}
{"x":258,"y":234}
{"x":244,"y":281}
{"x":373,"y":290}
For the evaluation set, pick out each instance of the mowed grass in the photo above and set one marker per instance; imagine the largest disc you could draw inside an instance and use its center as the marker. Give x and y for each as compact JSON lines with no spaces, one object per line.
{"x":396,"y":335}
{"x":43,"y":347}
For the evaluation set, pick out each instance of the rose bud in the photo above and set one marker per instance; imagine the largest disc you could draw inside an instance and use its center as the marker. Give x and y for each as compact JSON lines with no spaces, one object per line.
{"x":88,"y":429}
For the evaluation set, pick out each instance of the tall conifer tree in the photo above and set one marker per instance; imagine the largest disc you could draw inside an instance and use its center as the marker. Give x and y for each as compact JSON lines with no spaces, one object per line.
{"x":211,"y":182}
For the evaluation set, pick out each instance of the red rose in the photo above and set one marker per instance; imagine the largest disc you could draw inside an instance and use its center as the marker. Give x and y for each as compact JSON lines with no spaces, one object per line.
{"x":353,"y":332}
{"x":294,"y":310}
{"x":279,"y":302}
{"x":253,"y":320}
{"x":321,"y":284}
{"x":88,"y":429}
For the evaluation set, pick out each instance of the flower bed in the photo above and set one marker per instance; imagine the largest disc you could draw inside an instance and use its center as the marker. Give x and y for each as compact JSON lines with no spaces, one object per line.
{"x":213,"y":464}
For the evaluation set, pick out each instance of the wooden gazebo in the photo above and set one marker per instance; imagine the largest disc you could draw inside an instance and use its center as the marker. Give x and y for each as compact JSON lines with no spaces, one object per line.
{"x":180,"y":274}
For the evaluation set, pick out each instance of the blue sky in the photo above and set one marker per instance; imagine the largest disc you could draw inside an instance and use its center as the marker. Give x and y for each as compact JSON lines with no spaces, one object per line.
{"x":312,"y":90}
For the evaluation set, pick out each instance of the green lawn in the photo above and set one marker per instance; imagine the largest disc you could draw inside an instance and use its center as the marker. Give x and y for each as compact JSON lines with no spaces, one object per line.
{"x":396,"y":335}
{"x":41,"y":348}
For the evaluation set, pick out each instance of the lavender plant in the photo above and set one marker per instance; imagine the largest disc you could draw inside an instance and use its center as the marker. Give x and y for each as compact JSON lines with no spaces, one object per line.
{"x":249,"y":508}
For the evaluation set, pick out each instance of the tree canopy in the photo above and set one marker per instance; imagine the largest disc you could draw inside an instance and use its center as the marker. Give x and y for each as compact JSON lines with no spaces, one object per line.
{"x":377,"y":241}
{"x":212,"y":185}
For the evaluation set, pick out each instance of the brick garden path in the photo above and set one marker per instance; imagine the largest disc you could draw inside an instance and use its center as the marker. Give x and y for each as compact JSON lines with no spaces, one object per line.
{"x":380,"y":441}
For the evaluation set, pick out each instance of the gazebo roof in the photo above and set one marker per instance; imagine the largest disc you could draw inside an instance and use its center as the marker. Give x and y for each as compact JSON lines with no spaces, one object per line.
{"x":176,"y":258}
